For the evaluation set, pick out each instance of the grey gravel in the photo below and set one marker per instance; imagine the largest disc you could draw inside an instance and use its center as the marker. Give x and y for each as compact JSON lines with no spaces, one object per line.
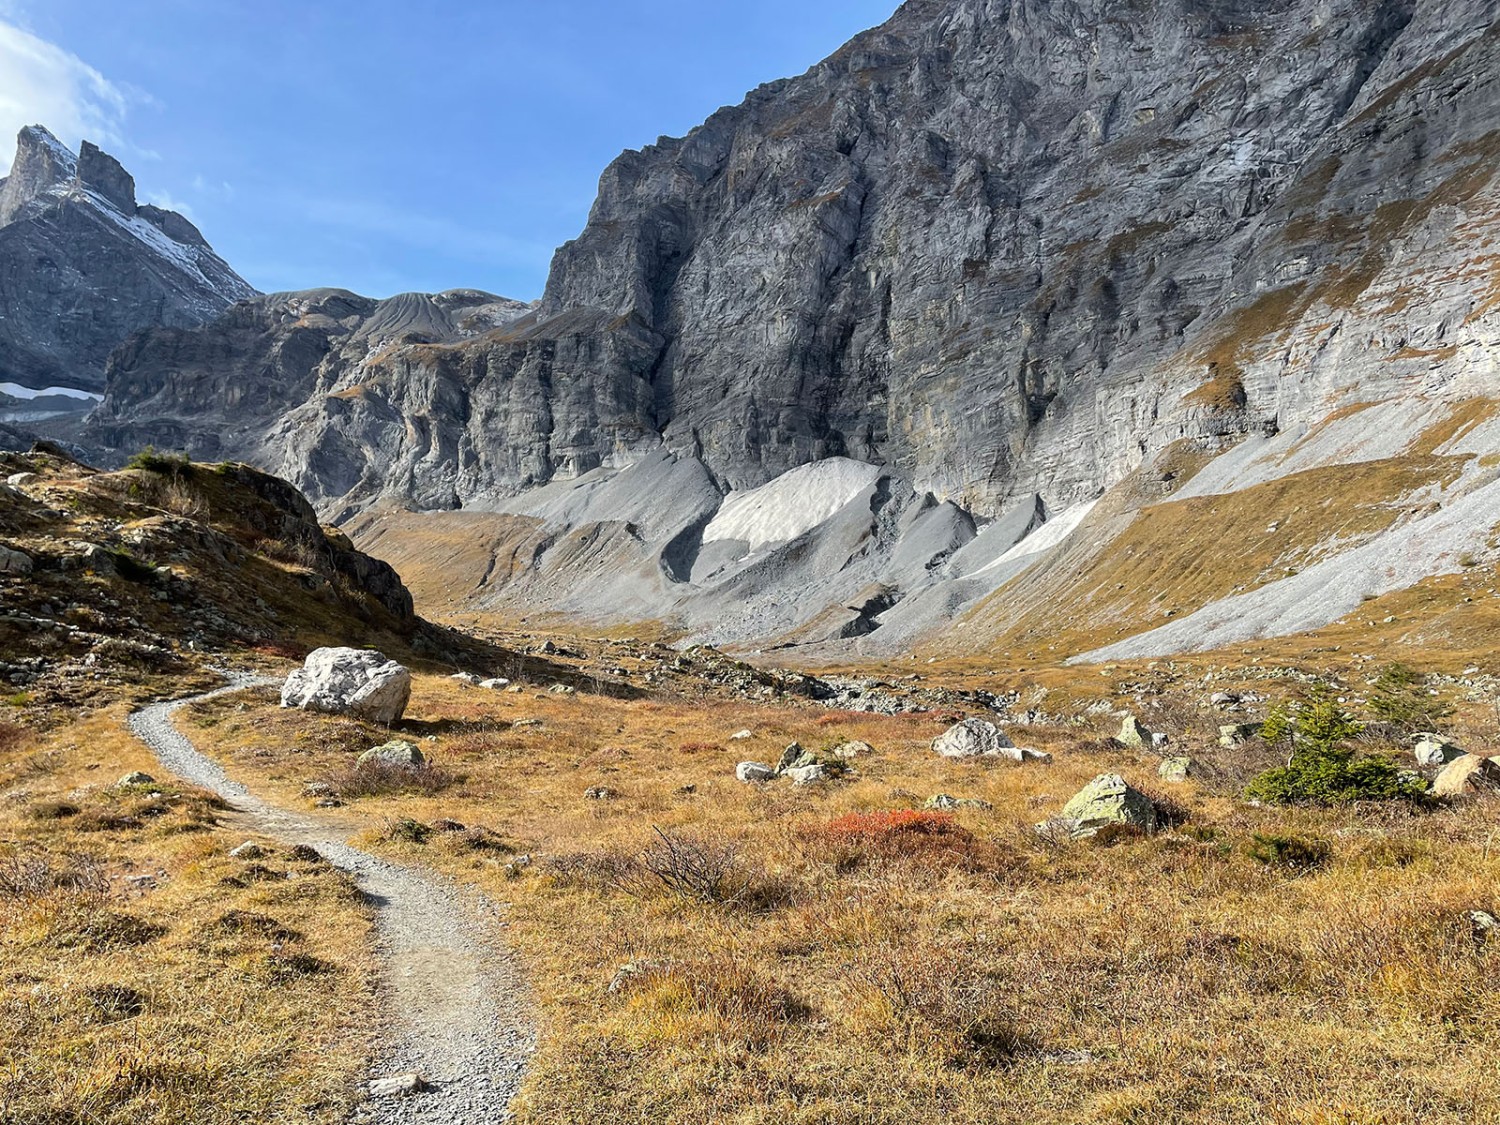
{"x":454,"y":1008}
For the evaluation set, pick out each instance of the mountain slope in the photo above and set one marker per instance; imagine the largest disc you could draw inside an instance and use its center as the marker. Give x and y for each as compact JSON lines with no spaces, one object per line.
{"x":82,"y":265}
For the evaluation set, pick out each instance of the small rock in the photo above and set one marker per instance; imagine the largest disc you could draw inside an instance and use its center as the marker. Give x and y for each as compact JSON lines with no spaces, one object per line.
{"x":397,"y":752}
{"x":248,"y":850}
{"x":1159,"y":740}
{"x":754,"y":771}
{"x":465,"y":677}
{"x":741,"y":735}
{"x":807,"y":775}
{"x":1133,"y":733}
{"x":942,"y":802}
{"x":317,"y":789}
{"x":1223,"y":699}
{"x":1434,"y":750}
{"x":17,"y":480}
{"x":499,"y":683}
{"x":563,"y":689}
{"x":14,"y":562}
{"x":600,"y":793}
{"x":527,"y":723}
{"x":397,"y":1086}
{"x":1237,"y":734}
{"x":794,"y":755}
{"x":135,"y":777}
{"x":1175,"y":769}
{"x":1483,"y":925}
{"x":851,"y":750}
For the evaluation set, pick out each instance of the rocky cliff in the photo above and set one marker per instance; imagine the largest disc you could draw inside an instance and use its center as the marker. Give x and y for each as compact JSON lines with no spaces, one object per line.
{"x":1005,"y":246}
{"x":83,"y":265}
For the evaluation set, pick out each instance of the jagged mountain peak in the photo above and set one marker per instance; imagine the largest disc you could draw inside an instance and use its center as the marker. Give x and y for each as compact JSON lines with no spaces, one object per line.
{"x":83,"y":265}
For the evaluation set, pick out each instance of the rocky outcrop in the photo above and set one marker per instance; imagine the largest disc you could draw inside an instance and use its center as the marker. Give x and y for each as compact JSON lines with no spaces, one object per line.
{"x":82,"y":265}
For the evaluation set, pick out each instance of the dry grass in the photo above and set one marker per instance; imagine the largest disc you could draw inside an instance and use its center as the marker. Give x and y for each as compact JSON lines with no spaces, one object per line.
{"x":144,"y":977}
{"x":1200,"y":975}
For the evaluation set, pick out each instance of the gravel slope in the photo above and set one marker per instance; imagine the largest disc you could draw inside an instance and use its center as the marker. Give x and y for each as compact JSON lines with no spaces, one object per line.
{"x":453,"y":1003}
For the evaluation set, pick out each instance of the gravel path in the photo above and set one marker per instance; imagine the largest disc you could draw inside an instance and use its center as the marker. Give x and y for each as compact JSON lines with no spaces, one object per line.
{"x":452,"y":1003}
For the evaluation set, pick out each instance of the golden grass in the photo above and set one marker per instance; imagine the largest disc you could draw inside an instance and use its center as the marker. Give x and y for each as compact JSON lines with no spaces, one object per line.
{"x":1178,"y":555}
{"x":1172,"y":978}
{"x":212,"y":992}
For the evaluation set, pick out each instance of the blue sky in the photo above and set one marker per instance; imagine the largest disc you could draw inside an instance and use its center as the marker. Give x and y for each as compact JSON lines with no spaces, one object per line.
{"x":390,"y":145}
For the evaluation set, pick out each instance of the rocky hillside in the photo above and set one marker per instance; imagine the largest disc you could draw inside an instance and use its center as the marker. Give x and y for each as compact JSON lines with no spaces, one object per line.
{"x":111,"y":575}
{"x":83,"y":265}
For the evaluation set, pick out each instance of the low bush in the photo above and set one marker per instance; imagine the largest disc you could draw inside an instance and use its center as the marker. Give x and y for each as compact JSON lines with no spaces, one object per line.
{"x":1333,"y":777}
{"x":382,"y":779}
{"x":905,"y":835}
{"x":1295,"y":853}
{"x":169,"y":464}
{"x":1322,"y":770}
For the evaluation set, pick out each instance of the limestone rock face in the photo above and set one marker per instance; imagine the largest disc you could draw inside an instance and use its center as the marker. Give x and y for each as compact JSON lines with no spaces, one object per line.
{"x":349,"y":681}
{"x":82,"y":265}
{"x":1013,"y":248}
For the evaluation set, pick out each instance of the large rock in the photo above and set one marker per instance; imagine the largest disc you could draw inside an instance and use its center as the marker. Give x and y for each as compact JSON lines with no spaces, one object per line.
{"x":1469,"y":775}
{"x":349,"y":681}
{"x":754,"y":771}
{"x":1106,"y":806}
{"x":975,"y":738}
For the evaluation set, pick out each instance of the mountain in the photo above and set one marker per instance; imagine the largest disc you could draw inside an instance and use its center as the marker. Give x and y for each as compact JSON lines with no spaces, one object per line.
{"x":1009,"y":256}
{"x":83,"y":265}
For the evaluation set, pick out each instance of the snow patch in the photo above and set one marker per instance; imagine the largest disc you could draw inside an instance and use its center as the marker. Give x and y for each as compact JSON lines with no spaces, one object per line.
{"x":792,"y":504}
{"x":15,"y":390}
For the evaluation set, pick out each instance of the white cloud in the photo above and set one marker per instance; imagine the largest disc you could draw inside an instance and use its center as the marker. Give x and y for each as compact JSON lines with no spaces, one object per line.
{"x":42,"y":84}
{"x":169,"y":203}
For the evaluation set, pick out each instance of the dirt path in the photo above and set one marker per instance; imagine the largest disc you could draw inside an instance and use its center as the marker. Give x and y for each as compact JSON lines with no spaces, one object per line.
{"x":451,"y":998}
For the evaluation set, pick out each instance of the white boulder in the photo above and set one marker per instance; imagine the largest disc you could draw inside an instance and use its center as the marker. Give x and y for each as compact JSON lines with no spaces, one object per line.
{"x":349,"y":681}
{"x":974,"y":738}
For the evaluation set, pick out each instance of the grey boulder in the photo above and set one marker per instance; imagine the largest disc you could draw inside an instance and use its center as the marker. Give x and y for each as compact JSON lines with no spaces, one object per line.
{"x":974,"y":738}
{"x":349,"y":681}
{"x":754,"y":771}
{"x":1434,"y":750}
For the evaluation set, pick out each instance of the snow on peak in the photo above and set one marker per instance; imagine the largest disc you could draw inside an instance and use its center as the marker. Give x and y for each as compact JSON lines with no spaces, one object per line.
{"x":792,"y":504}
